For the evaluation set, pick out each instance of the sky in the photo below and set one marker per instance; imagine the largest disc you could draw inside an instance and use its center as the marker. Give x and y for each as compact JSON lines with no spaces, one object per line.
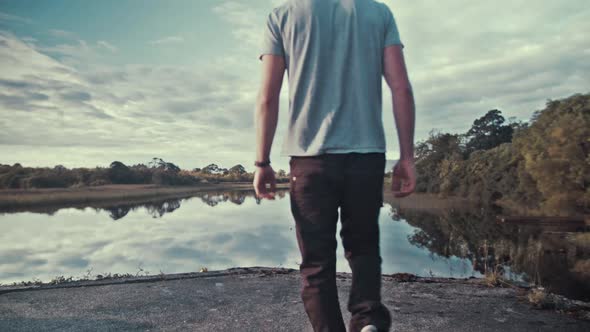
{"x":84,"y":83}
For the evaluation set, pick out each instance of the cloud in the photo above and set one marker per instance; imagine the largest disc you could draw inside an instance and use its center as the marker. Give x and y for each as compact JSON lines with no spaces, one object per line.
{"x":76,"y":96}
{"x":128,"y":112}
{"x":167,"y":40}
{"x":246,"y":21}
{"x":61,"y":33}
{"x":77,"y":52}
{"x":73,"y":262}
{"x":15,"y":19}
{"x":107,"y":45}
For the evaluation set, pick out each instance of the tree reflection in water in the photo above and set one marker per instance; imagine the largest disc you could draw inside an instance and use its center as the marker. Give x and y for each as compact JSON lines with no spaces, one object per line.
{"x":159,"y":208}
{"x":556,"y":260}
{"x":155,"y":209}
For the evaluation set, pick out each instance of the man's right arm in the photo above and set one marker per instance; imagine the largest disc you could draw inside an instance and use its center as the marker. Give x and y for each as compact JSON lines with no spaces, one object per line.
{"x":396,"y":76}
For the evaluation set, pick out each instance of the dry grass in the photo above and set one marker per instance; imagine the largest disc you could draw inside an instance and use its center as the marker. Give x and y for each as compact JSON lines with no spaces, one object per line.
{"x":494,"y":279}
{"x":424,"y":201}
{"x":582,"y":268}
{"x":582,"y":240}
{"x":538,"y":297}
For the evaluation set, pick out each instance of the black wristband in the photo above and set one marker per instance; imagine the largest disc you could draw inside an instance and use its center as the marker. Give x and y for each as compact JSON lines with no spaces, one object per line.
{"x":262,"y":163}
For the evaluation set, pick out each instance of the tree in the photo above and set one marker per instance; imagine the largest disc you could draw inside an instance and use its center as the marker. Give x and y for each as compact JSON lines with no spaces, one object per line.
{"x":120,"y":173}
{"x":159,"y":163}
{"x":556,"y":153}
{"x":488,"y":132}
{"x":430,"y":155}
{"x":237,"y":170}
{"x":211,"y":169}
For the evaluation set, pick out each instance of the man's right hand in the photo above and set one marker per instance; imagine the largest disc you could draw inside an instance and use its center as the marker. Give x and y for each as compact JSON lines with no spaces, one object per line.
{"x":403,"y":179}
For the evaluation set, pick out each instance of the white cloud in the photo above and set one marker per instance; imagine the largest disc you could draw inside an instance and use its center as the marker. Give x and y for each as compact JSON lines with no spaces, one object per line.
{"x":246,"y":21}
{"x":13,"y":18}
{"x":96,"y":114}
{"x":78,"y":52}
{"x":61,"y":33}
{"x":106,"y":45}
{"x":20,"y":60}
{"x":167,"y":40}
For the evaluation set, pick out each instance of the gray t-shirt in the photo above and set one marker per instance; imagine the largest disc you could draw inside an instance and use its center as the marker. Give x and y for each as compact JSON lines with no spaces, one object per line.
{"x":333,"y":52}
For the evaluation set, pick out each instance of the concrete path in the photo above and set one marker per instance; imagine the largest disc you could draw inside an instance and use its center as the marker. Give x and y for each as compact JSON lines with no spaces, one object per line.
{"x":259,"y":299}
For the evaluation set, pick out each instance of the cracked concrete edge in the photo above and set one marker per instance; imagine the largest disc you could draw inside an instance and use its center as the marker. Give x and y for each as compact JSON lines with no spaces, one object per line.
{"x":142,"y":279}
{"x":119,"y":280}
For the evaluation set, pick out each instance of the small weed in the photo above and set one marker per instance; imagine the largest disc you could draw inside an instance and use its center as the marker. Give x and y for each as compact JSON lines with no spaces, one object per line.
{"x":87,"y":275}
{"x":60,"y":280}
{"x":538,"y":297}
{"x":141,"y":270}
{"x":35,"y":281}
{"x":493,"y":278}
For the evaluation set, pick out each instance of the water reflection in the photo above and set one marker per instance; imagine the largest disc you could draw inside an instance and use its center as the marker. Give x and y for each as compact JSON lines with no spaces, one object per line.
{"x":241,"y":230}
{"x":158,"y":209}
{"x":556,"y":258}
{"x":155,"y":209}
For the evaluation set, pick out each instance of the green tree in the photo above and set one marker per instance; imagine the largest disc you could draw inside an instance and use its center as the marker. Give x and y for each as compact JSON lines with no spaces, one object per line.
{"x":120,"y":173}
{"x":488,"y":132}
{"x":556,"y":153}
{"x":430,"y":155}
{"x":237,"y":169}
{"x":211,"y":169}
{"x":159,"y":163}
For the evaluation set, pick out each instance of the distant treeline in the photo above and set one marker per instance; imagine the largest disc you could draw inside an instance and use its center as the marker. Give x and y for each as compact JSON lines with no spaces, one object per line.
{"x":157,"y":172}
{"x":542,"y":165}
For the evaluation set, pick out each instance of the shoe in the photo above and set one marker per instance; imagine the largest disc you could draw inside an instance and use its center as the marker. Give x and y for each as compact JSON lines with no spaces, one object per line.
{"x":369,"y":328}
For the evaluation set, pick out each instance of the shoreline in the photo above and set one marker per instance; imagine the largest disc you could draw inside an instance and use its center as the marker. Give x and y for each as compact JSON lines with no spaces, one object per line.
{"x":127,"y":278}
{"x":14,"y":200}
{"x":123,"y":279}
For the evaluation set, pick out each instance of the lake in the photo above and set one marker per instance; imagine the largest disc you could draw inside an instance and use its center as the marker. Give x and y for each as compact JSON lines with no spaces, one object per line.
{"x":218,"y":230}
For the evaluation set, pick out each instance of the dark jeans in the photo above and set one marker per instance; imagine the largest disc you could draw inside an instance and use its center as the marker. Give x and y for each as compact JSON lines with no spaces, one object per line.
{"x":320,"y":185}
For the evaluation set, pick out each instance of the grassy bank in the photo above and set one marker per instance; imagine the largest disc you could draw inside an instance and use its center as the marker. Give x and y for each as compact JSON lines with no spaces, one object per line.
{"x":15,"y":199}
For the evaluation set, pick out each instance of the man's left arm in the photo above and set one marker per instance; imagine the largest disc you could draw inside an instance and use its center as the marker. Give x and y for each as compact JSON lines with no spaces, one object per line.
{"x":266,"y":117}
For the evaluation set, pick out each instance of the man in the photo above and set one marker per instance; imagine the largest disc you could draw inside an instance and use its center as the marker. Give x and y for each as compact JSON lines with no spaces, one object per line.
{"x":335,"y":53}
